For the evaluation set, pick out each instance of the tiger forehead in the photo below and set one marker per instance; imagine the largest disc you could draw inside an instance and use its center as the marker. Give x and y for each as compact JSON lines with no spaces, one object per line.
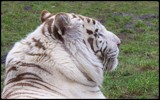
{"x":84,"y":18}
{"x":90,"y":24}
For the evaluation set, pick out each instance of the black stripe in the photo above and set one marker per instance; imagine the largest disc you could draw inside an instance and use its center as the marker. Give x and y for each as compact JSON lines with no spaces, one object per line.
{"x":97,"y":44}
{"x":107,"y":63}
{"x":97,"y":51}
{"x":95,"y":34}
{"x":110,"y":60}
{"x":38,"y":43}
{"x":18,"y":94}
{"x":18,"y":78}
{"x":104,"y":49}
{"x":28,"y":96}
{"x":88,"y":20}
{"x":81,"y":18}
{"x":49,"y":22}
{"x":112,"y":52}
{"x":93,"y":21}
{"x":57,"y":35}
{"x":90,"y":41}
{"x":34,"y":65}
{"x":43,"y":32}
{"x":74,"y":16}
{"x":84,"y":42}
{"x":113,"y":56}
{"x":102,"y":53}
{"x":21,"y":77}
{"x":100,"y":34}
{"x":87,"y":77}
{"x":89,"y":31}
{"x":46,"y":87}
{"x":12,"y":68}
{"x":41,"y":56}
{"x":102,"y":46}
{"x":10,"y":60}
{"x":19,"y":84}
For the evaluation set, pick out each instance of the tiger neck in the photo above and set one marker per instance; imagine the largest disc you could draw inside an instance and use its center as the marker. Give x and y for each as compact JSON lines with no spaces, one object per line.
{"x":86,"y":61}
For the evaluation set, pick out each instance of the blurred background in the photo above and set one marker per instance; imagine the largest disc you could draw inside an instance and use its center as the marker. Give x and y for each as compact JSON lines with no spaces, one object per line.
{"x":136,"y":23}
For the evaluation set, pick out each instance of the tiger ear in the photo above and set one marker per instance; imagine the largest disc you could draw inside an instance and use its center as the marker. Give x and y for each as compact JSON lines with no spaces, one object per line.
{"x":61,"y":23}
{"x":45,"y":15}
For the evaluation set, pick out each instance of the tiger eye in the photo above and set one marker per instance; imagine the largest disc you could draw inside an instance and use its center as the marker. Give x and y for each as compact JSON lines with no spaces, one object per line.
{"x":96,"y":30}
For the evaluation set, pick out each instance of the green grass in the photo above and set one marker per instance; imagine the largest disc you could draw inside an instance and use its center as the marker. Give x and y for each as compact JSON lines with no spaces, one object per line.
{"x":136,"y":23}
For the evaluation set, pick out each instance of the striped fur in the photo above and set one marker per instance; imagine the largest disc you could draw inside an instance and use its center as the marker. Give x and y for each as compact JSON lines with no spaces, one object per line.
{"x":65,"y":57}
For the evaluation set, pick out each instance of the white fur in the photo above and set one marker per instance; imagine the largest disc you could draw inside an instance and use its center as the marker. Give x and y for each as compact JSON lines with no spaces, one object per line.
{"x":66,"y":74}
{"x":67,"y":62}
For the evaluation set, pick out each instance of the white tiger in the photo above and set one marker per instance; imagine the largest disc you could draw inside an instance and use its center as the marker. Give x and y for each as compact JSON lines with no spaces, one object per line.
{"x":65,"y":57}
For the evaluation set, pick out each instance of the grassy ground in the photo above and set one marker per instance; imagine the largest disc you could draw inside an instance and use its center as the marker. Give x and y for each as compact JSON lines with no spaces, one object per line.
{"x":136,"y":23}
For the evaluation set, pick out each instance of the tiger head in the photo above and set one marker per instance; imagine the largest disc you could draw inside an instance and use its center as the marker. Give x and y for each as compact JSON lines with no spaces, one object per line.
{"x":100,"y":42}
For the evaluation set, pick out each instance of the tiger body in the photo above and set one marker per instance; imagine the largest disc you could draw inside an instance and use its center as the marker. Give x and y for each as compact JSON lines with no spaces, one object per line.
{"x":58,"y":61}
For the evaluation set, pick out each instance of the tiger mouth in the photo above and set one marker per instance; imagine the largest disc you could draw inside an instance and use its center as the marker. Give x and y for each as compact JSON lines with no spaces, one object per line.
{"x":110,"y":62}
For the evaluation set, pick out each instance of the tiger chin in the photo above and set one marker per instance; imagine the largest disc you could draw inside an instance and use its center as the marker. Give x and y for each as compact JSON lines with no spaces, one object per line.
{"x":65,"y":57}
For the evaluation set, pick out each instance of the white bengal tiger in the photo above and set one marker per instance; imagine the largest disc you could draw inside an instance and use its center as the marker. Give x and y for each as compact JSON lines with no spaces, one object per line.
{"x":65,"y":57}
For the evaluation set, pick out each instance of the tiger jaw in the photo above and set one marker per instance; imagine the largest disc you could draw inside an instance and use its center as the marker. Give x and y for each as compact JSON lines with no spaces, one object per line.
{"x":110,"y":64}
{"x":110,"y":60}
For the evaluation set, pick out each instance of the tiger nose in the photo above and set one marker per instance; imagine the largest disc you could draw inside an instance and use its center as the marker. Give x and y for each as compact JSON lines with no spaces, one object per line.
{"x":118,"y":44}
